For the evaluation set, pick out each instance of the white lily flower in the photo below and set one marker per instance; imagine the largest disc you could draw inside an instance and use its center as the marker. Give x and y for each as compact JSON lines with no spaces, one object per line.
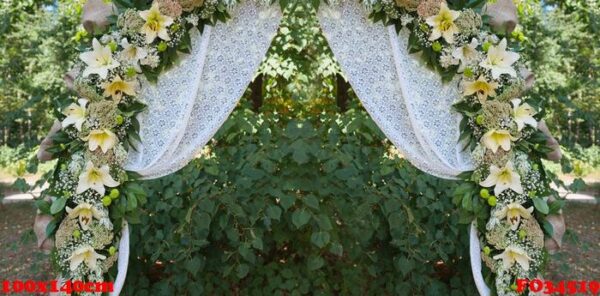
{"x":86,"y":255}
{"x":95,"y":178}
{"x":494,"y":139}
{"x":75,"y":114}
{"x":84,"y":212}
{"x":500,"y":61}
{"x":466,"y":54}
{"x":132,"y":54}
{"x":503,"y":178}
{"x":443,"y":24}
{"x":99,"y":60}
{"x":481,"y":87}
{"x":156,"y":24}
{"x":104,"y":138}
{"x":523,"y":114}
{"x":117,"y":87}
{"x":513,"y":213}
{"x":514,"y":254}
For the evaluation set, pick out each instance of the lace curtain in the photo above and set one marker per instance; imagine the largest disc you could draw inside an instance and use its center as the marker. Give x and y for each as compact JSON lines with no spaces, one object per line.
{"x":407,"y":101}
{"x":191,"y":101}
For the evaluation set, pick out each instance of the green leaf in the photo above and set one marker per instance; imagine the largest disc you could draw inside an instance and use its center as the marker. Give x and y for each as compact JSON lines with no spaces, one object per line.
{"x":193,"y":265}
{"x":58,"y":205}
{"x":336,"y":249}
{"x":242,"y":270}
{"x":274,"y":212}
{"x":300,"y":217}
{"x":311,"y":201}
{"x":320,"y":239}
{"x":405,"y":265}
{"x":43,"y":206}
{"x":315,"y":262}
{"x":541,"y":205}
{"x":287,"y":201}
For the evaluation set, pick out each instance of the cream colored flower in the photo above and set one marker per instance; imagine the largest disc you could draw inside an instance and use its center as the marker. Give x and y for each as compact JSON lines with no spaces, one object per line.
{"x":443,"y":24}
{"x":156,"y":24}
{"x":95,"y":178}
{"x":513,"y":213}
{"x":117,"y":87}
{"x":494,"y":139}
{"x":86,"y":255}
{"x":466,"y":54}
{"x":105,"y":139}
{"x":523,"y":114}
{"x":132,"y":54}
{"x":481,"y":87}
{"x":75,"y":114}
{"x":84,"y":212}
{"x":503,"y":178}
{"x":99,"y":60}
{"x":514,"y":254}
{"x":500,"y":61}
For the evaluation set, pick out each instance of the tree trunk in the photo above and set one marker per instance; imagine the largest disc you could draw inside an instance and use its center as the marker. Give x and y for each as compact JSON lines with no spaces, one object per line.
{"x":256,"y":97}
{"x":342,"y":96}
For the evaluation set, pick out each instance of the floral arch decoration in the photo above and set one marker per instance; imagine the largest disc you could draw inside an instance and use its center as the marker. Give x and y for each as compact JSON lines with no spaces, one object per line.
{"x":143,"y":113}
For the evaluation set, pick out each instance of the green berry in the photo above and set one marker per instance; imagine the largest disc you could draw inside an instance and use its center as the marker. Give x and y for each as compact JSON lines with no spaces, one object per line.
{"x":162,"y":46}
{"x":486,"y":46}
{"x":76,"y":233}
{"x":436,"y":46}
{"x":114,"y":193}
{"x":492,"y":201}
{"x":468,"y":72}
{"x":106,"y":201}
{"x":480,"y":119}
{"x":484,"y":193}
{"x":112,"y":250}
{"x":130,"y":72}
{"x":522,"y":234}
{"x":486,"y":250}
{"x":119,"y":119}
{"x":113,"y":46}
{"x":535,"y":166}
{"x":513,"y":287}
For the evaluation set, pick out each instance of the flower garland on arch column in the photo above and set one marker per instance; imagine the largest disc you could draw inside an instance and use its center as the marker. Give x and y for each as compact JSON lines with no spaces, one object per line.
{"x":507,"y":194}
{"x":91,"y":195}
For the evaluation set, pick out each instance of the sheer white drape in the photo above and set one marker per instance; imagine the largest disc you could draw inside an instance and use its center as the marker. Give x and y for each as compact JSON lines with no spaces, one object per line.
{"x":407,"y":100}
{"x":191,"y":101}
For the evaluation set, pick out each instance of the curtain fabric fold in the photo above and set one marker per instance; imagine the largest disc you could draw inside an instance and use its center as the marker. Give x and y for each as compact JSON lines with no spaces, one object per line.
{"x":406,"y":100}
{"x":191,"y":101}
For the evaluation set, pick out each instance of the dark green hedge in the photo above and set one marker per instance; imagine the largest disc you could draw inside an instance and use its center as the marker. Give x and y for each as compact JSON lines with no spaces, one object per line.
{"x":305,"y":206}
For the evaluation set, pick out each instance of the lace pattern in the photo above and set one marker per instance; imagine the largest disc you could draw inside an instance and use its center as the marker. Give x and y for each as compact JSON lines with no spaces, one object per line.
{"x":191,"y":101}
{"x":406,"y":100}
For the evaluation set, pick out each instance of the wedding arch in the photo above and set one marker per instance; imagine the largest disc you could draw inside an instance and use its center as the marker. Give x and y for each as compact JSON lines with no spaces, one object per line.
{"x":444,"y":89}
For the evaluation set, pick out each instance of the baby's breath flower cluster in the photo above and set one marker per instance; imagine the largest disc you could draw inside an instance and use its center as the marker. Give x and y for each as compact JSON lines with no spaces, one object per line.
{"x":100,"y":127}
{"x":498,"y":118}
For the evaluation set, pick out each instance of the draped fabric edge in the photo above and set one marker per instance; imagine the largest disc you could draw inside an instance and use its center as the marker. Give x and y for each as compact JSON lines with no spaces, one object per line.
{"x":122,"y":261}
{"x":169,"y":149}
{"x":449,"y":173}
{"x":475,"y":257}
